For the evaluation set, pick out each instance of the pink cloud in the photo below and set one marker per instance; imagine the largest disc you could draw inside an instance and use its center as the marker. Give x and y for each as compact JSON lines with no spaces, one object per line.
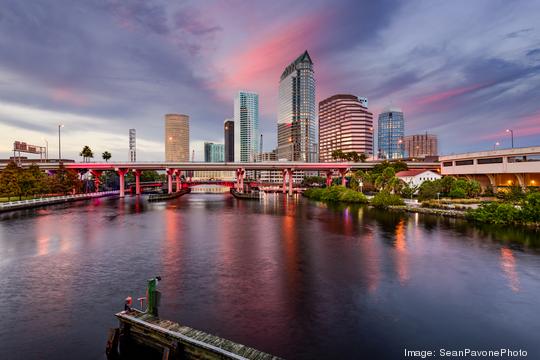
{"x":259,"y":63}
{"x":526,"y":126}
{"x":68,"y":96}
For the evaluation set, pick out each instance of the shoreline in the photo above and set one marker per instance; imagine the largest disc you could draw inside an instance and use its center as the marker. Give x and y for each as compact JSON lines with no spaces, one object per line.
{"x":35,"y":203}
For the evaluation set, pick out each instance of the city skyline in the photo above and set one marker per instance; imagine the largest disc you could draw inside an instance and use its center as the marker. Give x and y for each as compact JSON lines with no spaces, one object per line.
{"x":466,"y":84}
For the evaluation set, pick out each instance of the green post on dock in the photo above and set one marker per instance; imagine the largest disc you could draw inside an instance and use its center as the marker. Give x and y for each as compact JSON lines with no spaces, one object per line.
{"x":153,"y":296}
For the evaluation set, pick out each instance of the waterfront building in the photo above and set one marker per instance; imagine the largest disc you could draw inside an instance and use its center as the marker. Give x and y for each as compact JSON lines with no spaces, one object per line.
{"x":176,"y":138}
{"x":214,"y":152}
{"x":132,"y":145}
{"x":416,"y":177}
{"x":344,"y":124}
{"x":420,"y":146}
{"x":390,"y":133}
{"x":246,"y":126}
{"x":228,"y":128}
{"x":297,"y":126}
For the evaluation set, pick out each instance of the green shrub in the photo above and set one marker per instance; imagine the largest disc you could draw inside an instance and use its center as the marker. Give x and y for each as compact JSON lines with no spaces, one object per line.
{"x":384,"y":199}
{"x":333,"y":193}
{"x":314,"y":193}
{"x":531,"y":207}
{"x":457,"y":193}
{"x":496,"y":213}
{"x":352,"y":196}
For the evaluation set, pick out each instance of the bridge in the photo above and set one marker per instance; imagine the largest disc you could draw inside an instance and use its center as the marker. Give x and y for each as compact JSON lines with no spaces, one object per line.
{"x":497,"y":168}
{"x":174,"y":170}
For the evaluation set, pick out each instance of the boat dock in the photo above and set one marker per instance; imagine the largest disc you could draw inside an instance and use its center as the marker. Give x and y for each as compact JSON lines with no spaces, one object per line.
{"x":170,"y":340}
{"x":143,"y":335}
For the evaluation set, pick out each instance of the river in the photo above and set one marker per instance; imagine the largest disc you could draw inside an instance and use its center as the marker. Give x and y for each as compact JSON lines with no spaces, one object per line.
{"x":289,"y":276}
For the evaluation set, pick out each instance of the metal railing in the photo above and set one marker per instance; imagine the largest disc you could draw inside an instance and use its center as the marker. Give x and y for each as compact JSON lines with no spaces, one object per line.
{"x":53,"y":199}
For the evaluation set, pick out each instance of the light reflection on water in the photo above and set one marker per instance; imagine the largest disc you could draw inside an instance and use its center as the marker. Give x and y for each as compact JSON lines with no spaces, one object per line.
{"x":296,"y":278}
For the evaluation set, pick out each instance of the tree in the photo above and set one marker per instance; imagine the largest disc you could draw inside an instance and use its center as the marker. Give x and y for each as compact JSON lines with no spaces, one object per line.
{"x":429,"y":190}
{"x":9,"y":180}
{"x":338,"y":155}
{"x":313,"y":181}
{"x":86,"y":153}
{"x":65,"y":181}
{"x":39,"y":180}
{"x":106,"y":156}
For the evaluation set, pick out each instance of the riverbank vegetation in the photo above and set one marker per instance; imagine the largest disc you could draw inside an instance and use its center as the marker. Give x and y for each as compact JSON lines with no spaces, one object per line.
{"x":525,"y":211}
{"x":19,"y":183}
{"x":336,"y":194}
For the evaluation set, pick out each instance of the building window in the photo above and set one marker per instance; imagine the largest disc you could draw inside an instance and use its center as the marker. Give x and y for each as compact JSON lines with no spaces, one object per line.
{"x":464,"y":162}
{"x":498,"y":160}
{"x":447,"y":163}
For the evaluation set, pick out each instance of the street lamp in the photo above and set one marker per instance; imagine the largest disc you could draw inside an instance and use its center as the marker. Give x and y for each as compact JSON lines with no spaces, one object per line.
{"x":512,"y":135}
{"x":495,"y":145}
{"x":59,"y":143}
{"x":46,"y":149}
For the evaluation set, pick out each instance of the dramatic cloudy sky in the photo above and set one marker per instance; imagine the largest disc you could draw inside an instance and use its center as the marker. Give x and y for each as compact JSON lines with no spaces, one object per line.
{"x":464,"y":70}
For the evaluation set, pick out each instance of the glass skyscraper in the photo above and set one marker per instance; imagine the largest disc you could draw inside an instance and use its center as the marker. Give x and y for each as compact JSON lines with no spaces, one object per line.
{"x":214,"y":152}
{"x":390,"y":133}
{"x":246,"y":126}
{"x":297,"y":128}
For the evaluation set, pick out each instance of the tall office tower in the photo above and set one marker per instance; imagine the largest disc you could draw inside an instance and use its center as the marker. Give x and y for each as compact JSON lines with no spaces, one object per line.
{"x":421,"y":145}
{"x":296,"y":112}
{"x":391,"y":132}
{"x":176,"y":138}
{"x":344,"y":124}
{"x":228,"y":127}
{"x":214,"y":152}
{"x":246,"y":126}
{"x":132,"y":145}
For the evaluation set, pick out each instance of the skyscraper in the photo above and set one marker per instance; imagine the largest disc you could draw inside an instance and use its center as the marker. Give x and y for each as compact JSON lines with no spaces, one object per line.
{"x":228,"y":127}
{"x":176,"y":138}
{"x":296,"y":112}
{"x":420,"y":146}
{"x":132,"y":145}
{"x":213,"y":152}
{"x":390,"y":133}
{"x":344,"y":124}
{"x":246,"y":126}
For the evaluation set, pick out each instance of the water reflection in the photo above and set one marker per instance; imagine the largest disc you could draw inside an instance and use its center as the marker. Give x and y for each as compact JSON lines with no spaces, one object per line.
{"x":400,"y":256}
{"x":508,"y":265}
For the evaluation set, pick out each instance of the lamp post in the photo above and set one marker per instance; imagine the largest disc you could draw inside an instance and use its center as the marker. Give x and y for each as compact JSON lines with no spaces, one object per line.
{"x":59,"y":143}
{"x":495,"y":145}
{"x":512,"y":135}
{"x":46,"y":150}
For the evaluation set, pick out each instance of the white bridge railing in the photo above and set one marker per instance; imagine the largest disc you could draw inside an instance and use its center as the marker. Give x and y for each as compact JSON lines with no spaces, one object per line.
{"x":46,"y":200}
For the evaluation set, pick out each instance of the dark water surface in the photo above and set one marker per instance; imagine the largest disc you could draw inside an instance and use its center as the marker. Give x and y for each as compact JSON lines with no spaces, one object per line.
{"x":287,"y":276}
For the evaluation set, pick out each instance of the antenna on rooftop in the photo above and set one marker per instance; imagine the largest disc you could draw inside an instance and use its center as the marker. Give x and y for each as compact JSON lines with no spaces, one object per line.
{"x":193,"y":155}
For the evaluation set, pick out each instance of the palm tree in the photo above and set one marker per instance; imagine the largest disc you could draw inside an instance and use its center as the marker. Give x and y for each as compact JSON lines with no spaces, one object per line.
{"x":106,"y":156}
{"x":86,"y":153}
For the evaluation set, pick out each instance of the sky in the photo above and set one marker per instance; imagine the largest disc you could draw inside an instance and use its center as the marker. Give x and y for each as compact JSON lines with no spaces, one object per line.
{"x":463,"y":70}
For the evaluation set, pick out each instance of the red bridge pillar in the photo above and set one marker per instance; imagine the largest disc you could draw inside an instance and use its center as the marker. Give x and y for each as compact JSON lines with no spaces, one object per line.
{"x":343,"y":172}
{"x":121,"y":174}
{"x":138,"y":182}
{"x":284,"y":173}
{"x":96,"y":174}
{"x":329,"y":178}
{"x":290,"y":181}
{"x":178,"y":174}
{"x":170,"y":173}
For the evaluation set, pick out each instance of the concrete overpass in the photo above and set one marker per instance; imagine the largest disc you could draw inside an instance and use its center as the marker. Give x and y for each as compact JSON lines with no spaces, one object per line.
{"x":498,"y":168}
{"x":175,"y":169}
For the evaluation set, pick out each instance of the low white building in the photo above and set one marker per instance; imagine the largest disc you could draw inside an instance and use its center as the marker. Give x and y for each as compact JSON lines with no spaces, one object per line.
{"x":416,"y":177}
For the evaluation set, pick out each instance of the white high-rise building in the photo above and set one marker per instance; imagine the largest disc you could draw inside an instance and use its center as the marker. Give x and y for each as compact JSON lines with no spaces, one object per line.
{"x":246,"y":126}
